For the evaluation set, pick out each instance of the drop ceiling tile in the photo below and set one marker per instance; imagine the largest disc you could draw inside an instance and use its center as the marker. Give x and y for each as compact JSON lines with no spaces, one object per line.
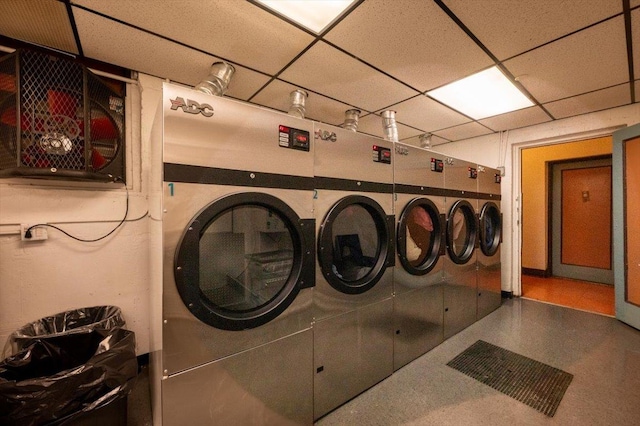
{"x":585,"y":61}
{"x":235,"y":30}
{"x":318,"y":107}
{"x":414,"y":41}
{"x":43,"y":22}
{"x":372,"y":125}
{"x":333,"y":73}
{"x":110,"y":42}
{"x":415,"y":141}
{"x":427,"y":114}
{"x":508,"y":28}
{"x":516,"y":119}
{"x":590,"y":102}
{"x":465,"y":131}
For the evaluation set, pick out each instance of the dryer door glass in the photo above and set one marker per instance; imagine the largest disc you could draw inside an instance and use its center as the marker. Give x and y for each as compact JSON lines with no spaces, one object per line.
{"x":462,"y":232}
{"x":419,"y":236}
{"x":490,"y":229}
{"x":246,"y":256}
{"x":243,"y":260}
{"x":355,"y":244}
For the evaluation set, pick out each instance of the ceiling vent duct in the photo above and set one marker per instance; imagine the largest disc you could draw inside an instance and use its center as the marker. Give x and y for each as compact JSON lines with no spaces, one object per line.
{"x":351,"y":117}
{"x":425,"y":140}
{"x":217,"y":82}
{"x":389,"y":125}
{"x":59,"y":120}
{"x":298,"y":99}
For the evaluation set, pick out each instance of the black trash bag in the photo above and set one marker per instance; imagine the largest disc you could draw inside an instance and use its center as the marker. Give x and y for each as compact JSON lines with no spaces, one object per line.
{"x":61,"y":324}
{"x":53,"y":379}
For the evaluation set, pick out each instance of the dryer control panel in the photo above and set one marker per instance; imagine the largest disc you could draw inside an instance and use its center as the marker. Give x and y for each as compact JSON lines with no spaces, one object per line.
{"x":381,"y":154}
{"x":293,"y":138}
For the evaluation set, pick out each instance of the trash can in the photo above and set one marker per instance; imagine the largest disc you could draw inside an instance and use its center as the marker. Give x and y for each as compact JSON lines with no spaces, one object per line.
{"x":72,"y":368}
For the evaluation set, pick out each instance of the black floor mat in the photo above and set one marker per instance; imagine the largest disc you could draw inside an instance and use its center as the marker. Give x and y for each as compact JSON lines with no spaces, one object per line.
{"x":536,"y":384}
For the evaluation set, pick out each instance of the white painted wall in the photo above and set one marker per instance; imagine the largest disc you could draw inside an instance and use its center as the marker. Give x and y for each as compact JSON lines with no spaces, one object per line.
{"x":488,"y":151}
{"x":38,"y":279}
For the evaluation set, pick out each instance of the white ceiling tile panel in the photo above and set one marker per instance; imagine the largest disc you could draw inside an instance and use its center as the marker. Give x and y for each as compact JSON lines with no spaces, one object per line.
{"x":585,"y":61}
{"x":327,"y":70}
{"x":236,"y":30}
{"x":414,"y":41}
{"x":43,"y":22}
{"x":111,"y":42}
{"x":427,"y":114}
{"x":594,"y":101}
{"x":464,"y":131}
{"x":508,"y":28}
{"x":516,"y":119}
{"x":318,"y":107}
{"x":372,"y":125}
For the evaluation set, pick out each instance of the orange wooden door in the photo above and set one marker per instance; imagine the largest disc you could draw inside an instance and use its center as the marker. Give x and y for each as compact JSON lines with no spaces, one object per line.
{"x":581,"y":220}
{"x":586,"y":217}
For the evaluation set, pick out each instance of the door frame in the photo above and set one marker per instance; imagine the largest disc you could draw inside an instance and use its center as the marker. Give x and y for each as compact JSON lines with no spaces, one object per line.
{"x":512,"y":202}
{"x":554,"y":240}
{"x":625,"y":311}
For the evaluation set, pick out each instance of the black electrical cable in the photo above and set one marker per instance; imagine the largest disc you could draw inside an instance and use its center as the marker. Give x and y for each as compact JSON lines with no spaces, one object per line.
{"x":27,"y":233}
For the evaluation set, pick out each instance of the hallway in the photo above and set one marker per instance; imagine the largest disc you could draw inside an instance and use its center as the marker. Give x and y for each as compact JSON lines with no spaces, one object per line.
{"x":602,"y":353}
{"x":582,"y":295}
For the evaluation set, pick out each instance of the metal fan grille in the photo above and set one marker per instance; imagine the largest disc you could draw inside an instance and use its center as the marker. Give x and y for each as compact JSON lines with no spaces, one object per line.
{"x":51,"y":113}
{"x":57,"y":119}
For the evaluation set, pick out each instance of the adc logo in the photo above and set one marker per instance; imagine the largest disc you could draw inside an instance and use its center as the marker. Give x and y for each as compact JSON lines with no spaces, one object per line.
{"x":402,"y":150}
{"x":191,"y":107}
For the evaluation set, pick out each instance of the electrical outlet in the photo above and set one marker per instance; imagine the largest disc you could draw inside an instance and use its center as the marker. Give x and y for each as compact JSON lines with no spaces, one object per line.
{"x":38,"y":233}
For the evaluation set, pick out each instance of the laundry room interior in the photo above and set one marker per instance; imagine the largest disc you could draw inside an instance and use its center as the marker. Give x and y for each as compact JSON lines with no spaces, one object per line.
{"x":322,"y":219}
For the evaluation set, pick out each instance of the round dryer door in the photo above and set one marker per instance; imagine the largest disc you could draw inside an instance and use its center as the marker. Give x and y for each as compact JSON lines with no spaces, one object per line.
{"x":243,"y":259}
{"x":419,"y":236}
{"x":462,"y":232}
{"x":490,"y":229}
{"x":355,"y":244}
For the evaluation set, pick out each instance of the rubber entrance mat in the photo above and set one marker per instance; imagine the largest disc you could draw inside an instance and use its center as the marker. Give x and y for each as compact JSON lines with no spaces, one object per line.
{"x":536,"y":384}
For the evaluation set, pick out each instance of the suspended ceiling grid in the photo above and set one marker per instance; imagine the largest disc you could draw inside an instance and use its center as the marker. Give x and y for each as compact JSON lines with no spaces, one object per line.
{"x":571,"y":57}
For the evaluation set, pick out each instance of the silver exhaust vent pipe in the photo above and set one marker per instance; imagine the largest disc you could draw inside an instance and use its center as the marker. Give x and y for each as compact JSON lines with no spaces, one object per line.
{"x":217,"y":81}
{"x":351,"y":117}
{"x":389,"y":126}
{"x":298,"y":99}
{"x":425,"y":140}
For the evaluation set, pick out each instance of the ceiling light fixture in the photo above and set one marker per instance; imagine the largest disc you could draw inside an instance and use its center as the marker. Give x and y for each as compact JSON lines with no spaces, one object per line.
{"x":315,"y":15}
{"x":482,"y":95}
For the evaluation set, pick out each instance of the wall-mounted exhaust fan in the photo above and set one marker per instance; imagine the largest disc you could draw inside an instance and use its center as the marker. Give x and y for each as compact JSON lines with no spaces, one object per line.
{"x":58,"y":120}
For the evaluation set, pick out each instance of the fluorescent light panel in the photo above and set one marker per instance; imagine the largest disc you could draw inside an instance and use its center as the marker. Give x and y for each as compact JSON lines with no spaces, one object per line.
{"x":315,"y":15}
{"x":482,"y":95}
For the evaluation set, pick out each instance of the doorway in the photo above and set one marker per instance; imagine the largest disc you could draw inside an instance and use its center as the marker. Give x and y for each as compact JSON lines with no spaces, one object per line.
{"x":581,"y":238}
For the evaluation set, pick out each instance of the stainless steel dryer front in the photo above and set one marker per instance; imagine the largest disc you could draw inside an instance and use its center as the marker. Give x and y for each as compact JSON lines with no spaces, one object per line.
{"x":353,"y":329}
{"x":418,"y":276}
{"x":239,"y":253}
{"x":460,"y":290}
{"x":490,"y":230}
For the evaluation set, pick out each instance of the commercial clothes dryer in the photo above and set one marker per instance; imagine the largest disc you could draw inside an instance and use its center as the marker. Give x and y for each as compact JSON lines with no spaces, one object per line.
{"x":353,"y":307}
{"x":418,"y":292}
{"x":490,"y":233}
{"x":239,"y":253}
{"x":460,"y":290}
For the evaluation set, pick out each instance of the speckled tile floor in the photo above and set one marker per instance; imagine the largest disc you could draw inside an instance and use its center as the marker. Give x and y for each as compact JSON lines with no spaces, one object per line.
{"x":602,"y":353}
